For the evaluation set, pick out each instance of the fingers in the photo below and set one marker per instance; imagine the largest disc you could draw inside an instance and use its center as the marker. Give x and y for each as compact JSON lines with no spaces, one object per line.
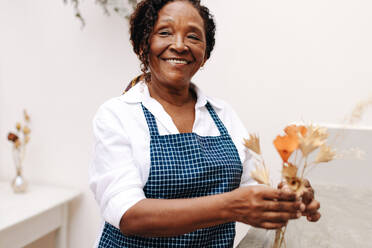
{"x":280,"y":217}
{"x":280,"y":195}
{"x":308,"y":196}
{"x":275,"y":220}
{"x":271,"y":225}
{"x":314,"y":217}
{"x":283,"y":206}
{"x":313,"y":206}
{"x":311,"y":211}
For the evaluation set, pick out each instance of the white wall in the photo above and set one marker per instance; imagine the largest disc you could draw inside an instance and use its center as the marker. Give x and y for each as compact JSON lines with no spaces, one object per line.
{"x":283,"y":61}
{"x":275,"y":62}
{"x":61,"y":74}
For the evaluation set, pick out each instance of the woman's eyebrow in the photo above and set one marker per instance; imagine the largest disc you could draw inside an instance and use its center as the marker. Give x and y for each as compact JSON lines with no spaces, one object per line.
{"x":195,"y":28}
{"x":192,"y":26}
{"x":166,"y":20}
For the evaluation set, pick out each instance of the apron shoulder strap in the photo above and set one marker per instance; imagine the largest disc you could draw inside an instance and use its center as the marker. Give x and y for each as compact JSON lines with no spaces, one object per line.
{"x":151,"y":122}
{"x":221,"y":127}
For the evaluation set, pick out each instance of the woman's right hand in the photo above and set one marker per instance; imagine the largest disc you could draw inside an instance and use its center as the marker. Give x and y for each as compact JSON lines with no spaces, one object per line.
{"x":264,"y":207}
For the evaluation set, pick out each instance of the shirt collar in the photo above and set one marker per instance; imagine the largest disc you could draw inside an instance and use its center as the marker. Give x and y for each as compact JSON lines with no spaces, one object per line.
{"x":140,"y":93}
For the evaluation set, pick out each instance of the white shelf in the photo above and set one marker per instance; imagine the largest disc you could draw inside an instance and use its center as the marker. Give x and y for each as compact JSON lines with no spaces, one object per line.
{"x":27,"y":217}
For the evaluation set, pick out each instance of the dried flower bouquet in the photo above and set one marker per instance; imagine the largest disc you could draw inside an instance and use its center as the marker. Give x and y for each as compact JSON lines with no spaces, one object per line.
{"x":20,"y":139}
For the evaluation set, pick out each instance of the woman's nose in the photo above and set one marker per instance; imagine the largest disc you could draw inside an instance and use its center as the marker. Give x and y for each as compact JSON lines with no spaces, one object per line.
{"x":179,"y":45}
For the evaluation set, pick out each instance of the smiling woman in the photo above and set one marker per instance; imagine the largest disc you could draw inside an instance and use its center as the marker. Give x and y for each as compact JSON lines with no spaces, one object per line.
{"x":169,"y":167}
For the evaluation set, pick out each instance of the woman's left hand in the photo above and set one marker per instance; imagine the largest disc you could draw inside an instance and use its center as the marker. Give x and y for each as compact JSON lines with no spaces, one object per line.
{"x":312,"y":205}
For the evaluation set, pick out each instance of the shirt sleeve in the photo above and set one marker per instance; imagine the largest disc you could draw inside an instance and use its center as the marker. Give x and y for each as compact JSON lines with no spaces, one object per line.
{"x":114,"y":178}
{"x":238,"y":132}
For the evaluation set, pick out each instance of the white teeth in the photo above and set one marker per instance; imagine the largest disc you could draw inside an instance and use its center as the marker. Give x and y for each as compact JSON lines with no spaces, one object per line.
{"x":177,"y":61}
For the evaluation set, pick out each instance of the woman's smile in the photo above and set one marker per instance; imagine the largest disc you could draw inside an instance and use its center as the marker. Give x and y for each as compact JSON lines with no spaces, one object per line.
{"x":176,"y":61}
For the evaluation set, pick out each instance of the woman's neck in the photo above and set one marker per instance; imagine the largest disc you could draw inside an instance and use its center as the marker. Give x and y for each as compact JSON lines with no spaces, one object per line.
{"x":171,"y":96}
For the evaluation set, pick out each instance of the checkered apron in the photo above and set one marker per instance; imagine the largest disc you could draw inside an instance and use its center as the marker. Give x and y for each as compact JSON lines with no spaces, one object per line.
{"x":186,"y":165}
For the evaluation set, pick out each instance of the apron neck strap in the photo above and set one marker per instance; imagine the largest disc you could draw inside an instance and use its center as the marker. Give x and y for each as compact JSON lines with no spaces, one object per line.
{"x":153,"y":127}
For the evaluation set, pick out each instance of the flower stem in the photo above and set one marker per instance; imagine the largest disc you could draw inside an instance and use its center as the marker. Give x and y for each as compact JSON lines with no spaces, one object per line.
{"x":278,"y":233}
{"x":295,"y":158}
{"x":303,"y":169}
{"x":282,"y":237}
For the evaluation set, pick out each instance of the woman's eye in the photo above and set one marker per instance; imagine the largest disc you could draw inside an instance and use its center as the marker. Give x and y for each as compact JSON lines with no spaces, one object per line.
{"x":194,"y":37}
{"x":164,"y":33}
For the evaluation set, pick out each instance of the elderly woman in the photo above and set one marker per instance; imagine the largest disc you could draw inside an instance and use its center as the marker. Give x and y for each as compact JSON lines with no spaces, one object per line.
{"x":169,"y":166}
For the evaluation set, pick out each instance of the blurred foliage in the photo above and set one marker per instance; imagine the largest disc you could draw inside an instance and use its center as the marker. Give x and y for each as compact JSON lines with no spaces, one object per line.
{"x":121,"y":7}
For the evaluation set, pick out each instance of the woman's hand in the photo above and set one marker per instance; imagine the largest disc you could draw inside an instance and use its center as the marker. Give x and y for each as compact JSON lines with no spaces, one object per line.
{"x":312,"y":205}
{"x":264,"y":207}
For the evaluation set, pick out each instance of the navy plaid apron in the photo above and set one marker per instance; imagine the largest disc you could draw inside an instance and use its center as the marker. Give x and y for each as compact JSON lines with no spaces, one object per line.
{"x":186,"y":165}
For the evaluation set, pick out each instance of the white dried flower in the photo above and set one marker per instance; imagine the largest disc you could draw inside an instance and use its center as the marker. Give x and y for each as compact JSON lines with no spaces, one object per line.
{"x":261,"y":175}
{"x":325,"y":154}
{"x":253,"y":143}
{"x":359,"y":109}
{"x":352,"y":153}
{"x":314,"y":138}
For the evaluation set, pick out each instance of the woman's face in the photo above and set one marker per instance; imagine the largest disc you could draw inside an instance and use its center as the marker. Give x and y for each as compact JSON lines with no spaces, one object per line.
{"x":177,"y":45}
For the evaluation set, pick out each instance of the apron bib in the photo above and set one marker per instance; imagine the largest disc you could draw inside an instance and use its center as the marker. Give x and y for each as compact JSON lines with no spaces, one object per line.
{"x":186,"y":165}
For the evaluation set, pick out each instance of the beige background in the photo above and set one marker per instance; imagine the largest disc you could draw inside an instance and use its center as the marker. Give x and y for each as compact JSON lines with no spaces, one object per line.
{"x":275,"y":62}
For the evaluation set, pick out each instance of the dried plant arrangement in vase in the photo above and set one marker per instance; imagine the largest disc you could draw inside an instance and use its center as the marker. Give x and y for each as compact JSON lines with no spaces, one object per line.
{"x":20,"y":139}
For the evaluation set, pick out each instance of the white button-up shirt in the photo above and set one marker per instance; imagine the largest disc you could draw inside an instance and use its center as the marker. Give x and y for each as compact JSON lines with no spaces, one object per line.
{"x":121,"y":157}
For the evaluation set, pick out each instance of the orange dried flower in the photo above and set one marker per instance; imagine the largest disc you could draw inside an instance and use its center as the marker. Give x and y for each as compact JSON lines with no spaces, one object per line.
{"x":295,"y":130}
{"x":12,"y":137}
{"x":285,"y":145}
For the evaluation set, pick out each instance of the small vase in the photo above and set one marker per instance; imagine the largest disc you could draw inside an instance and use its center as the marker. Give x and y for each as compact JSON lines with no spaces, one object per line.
{"x":19,"y":184}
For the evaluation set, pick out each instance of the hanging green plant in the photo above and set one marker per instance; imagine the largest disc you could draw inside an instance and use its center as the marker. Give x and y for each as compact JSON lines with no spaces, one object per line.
{"x":121,"y":7}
